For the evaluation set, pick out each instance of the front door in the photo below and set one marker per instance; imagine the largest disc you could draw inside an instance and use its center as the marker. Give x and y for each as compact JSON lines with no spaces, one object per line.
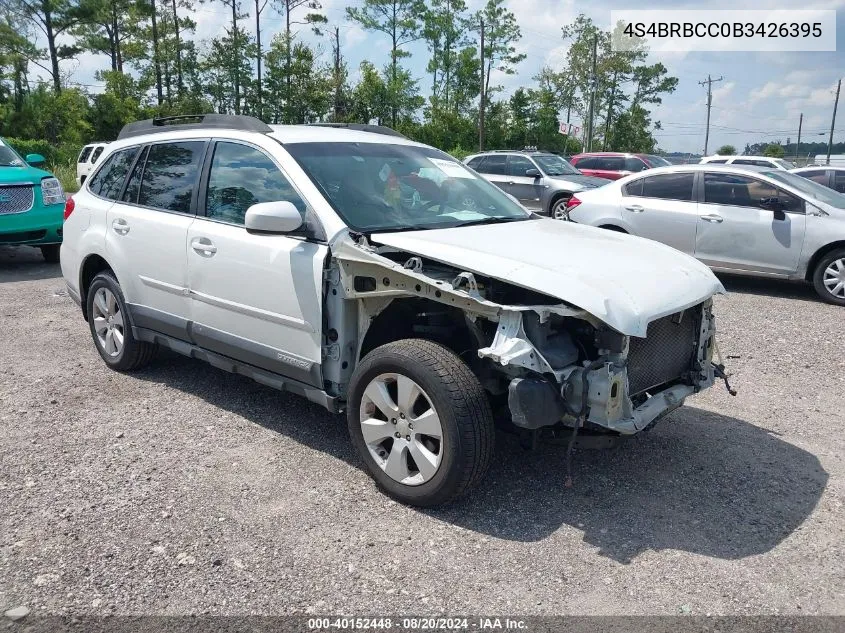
{"x":255,"y":298}
{"x":526,"y":189}
{"x":736,"y":231}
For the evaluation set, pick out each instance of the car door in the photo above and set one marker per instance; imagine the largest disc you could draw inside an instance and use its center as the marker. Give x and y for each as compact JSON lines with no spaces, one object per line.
{"x":738,"y":231}
{"x":494,"y":168}
{"x":662,"y":207}
{"x":256,"y":298}
{"x":147,"y":230}
{"x":526,"y":189}
{"x":610,"y":167}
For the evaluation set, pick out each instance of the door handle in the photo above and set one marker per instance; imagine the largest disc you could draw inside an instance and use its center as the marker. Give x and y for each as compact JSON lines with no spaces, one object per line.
{"x":511,"y":182}
{"x":712,"y":218}
{"x":203,"y":246}
{"x":635,"y":208}
{"x":120,"y":226}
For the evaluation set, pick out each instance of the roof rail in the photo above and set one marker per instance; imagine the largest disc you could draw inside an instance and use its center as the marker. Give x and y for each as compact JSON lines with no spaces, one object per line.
{"x":191,"y":121}
{"x":363,"y":127}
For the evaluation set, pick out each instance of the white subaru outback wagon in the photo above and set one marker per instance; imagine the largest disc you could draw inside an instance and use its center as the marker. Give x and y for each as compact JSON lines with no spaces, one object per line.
{"x":382,"y":278}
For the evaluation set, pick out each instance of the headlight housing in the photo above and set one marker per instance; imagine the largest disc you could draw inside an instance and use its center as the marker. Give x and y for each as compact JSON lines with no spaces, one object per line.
{"x":52,"y":192}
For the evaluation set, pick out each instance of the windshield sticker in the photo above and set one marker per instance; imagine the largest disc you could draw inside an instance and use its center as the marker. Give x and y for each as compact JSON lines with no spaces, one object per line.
{"x":385,"y":172}
{"x":451,"y":169}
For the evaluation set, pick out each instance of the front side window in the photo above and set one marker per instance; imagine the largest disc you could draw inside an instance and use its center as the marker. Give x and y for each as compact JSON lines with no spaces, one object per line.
{"x":816,"y":175}
{"x":657,"y":161}
{"x":384,"y":187}
{"x":742,"y":191}
{"x":611,"y":163}
{"x":170,"y":175}
{"x":808,"y":187}
{"x":663,"y":186}
{"x":241,"y":176}
{"x":108,"y":181}
{"x":518,"y":165}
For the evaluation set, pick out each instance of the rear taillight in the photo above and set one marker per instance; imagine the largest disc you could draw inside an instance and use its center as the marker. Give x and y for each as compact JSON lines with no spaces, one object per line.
{"x":572,"y":203}
{"x":69,"y":206}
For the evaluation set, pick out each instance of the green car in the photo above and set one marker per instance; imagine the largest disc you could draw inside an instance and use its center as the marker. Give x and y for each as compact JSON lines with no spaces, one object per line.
{"x":32,"y":203}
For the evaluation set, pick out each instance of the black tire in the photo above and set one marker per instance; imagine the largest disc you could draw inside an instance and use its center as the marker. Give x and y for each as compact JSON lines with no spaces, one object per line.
{"x":134,"y":354}
{"x":818,"y":276}
{"x":460,"y":403}
{"x":50,"y":252}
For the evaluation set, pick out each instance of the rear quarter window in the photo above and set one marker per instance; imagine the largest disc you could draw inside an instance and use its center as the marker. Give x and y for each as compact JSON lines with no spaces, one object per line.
{"x":108,"y":181}
{"x":84,"y":154}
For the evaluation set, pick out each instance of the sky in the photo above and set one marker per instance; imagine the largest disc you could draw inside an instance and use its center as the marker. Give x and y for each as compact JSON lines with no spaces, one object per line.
{"x":760,"y":97}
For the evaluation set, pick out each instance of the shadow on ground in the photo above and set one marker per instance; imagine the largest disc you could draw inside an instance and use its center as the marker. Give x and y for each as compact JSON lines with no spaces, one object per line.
{"x":699,"y":482}
{"x":25,"y":263}
{"x":767,"y":287}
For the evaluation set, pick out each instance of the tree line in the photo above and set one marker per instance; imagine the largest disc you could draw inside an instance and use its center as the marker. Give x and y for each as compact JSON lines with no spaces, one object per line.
{"x":153,"y":65}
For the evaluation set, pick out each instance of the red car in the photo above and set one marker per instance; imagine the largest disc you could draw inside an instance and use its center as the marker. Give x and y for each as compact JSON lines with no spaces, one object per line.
{"x":615,"y":165}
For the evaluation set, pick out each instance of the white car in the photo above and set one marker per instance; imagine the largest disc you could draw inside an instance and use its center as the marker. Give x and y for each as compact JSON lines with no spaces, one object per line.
{"x":88,"y":157}
{"x":741,"y":220}
{"x":748,"y":161}
{"x":380,"y":277}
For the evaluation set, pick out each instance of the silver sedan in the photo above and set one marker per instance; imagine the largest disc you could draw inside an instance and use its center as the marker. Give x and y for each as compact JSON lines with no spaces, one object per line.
{"x":748,"y":221}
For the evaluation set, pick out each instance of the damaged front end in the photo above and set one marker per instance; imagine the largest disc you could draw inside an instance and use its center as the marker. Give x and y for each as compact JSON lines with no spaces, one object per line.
{"x":554,"y":363}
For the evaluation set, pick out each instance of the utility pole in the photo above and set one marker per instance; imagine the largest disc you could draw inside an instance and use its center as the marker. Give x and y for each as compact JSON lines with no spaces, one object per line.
{"x":798,"y":144}
{"x":337,"y":73}
{"x":833,"y":122}
{"x":709,"y":83}
{"x":481,"y":103}
{"x":592,"y":94}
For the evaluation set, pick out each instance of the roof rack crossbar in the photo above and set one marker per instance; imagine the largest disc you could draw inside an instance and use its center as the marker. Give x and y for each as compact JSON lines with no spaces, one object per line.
{"x":191,"y":121}
{"x":363,"y":127}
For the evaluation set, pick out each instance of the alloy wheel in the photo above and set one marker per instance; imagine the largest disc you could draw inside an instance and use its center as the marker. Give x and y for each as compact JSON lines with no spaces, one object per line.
{"x":108,"y":322}
{"x":401,"y":429}
{"x":559,"y":211}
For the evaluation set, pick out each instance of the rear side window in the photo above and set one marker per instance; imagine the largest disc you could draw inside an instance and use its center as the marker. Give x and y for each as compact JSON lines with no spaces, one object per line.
{"x":611,"y":163}
{"x":664,"y":187}
{"x":96,"y":154}
{"x":494,"y":164}
{"x":839,"y":181}
{"x":84,"y":154}
{"x":475,"y":162}
{"x":242,"y":176}
{"x":108,"y":181}
{"x":170,"y":175}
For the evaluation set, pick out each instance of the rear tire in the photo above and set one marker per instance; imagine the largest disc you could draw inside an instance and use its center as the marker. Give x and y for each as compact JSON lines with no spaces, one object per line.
{"x":829,"y":277}
{"x":447,"y":401}
{"x":50,"y":252}
{"x":110,"y":326}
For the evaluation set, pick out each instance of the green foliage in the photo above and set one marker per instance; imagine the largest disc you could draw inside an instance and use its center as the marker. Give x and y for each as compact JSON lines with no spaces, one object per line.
{"x":774,"y":150}
{"x":726,"y":150}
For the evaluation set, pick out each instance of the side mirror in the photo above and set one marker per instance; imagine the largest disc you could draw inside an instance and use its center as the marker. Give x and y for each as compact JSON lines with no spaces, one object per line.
{"x":36,"y":160}
{"x":272,"y":217}
{"x":533,"y":173}
{"x":776,"y":206}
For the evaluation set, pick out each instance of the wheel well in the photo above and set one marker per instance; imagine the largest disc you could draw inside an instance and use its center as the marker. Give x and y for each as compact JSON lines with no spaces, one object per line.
{"x":824,"y":250}
{"x":422,"y":319}
{"x":613,"y":227}
{"x":92,"y":265}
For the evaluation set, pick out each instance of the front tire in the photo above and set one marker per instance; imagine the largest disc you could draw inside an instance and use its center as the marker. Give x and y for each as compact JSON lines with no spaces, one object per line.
{"x":111,"y":330}
{"x":558,"y":209}
{"x":420,"y":421}
{"x":829,"y":277}
{"x":50,"y":252}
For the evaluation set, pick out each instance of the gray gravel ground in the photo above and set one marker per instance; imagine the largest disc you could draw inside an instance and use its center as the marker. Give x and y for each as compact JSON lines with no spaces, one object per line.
{"x":184,"y":489}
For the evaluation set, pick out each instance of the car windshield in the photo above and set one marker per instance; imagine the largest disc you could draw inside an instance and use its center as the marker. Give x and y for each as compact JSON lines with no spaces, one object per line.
{"x":555,"y":165}
{"x":387,"y":187}
{"x":809,"y":188}
{"x":657,"y":161}
{"x":8,"y":158}
{"x":785,"y":163}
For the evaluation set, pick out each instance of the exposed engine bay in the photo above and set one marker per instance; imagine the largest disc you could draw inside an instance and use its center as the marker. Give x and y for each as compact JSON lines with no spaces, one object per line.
{"x":552,"y":362}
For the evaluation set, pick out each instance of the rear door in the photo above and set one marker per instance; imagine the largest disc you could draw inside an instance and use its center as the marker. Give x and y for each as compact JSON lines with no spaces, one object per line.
{"x":526,"y":189}
{"x":147,"y":231}
{"x":736,"y":231}
{"x":662,"y":207}
{"x":256,"y":298}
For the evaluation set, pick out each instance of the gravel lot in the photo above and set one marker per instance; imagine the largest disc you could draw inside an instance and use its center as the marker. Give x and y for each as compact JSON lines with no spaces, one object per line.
{"x":184,"y":489}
